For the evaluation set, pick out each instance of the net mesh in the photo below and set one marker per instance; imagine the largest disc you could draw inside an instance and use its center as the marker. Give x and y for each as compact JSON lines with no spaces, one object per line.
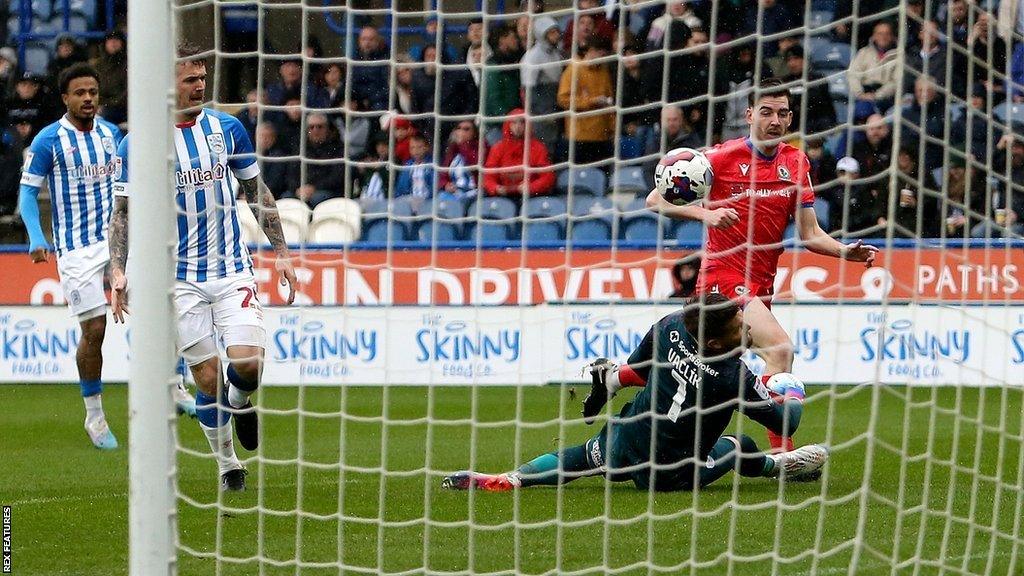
{"x":454,"y":252}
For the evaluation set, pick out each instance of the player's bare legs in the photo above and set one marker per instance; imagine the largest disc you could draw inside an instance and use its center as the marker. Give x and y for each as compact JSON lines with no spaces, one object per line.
{"x":89,"y":358}
{"x":771,"y":342}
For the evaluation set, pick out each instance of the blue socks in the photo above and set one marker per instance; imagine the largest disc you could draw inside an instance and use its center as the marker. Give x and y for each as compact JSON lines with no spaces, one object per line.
{"x":207,"y":412}
{"x":90,"y":387}
{"x":239,"y":382}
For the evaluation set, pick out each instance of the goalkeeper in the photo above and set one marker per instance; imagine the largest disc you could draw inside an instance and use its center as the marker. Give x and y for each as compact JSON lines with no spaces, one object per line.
{"x":669,"y":437}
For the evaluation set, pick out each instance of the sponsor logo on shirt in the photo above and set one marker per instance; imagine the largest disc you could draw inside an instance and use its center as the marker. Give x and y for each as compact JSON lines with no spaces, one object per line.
{"x":197,"y":178}
{"x":92,"y":171}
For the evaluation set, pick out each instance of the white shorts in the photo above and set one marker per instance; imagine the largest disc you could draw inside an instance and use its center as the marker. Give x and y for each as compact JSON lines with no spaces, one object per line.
{"x":81,"y":276}
{"x":225,"y":309}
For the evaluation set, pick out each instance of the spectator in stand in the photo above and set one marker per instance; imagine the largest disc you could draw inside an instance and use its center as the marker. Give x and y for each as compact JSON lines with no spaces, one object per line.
{"x":325,"y":176}
{"x":512,"y":169}
{"x":523,"y":32}
{"x":541,"y":72}
{"x":289,"y":87}
{"x":925,"y":58}
{"x":355,"y":130}
{"x":403,"y":130}
{"x":112,"y":65}
{"x":989,"y":51}
{"x":917,"y":208}
{"x":29,"y":104}
{"x":416,"y":176}
{"x":8,"y":73}
{"x":584,"y":31}
{"x":12,"y":146}
{"x":403,"y":85}
{"x":1012,"y":191}
{"x":777,"y":64}
{"x":874,"y":153}
{"x":239,"y":32}
{"x":370,"y":71}
{"x":926,"y":116}
{"x":424,"y":86}
{"x":952,"y":18}
{"x":821,"y":113}
{"x":334,"y":84}
{"x":586,"y":86}
{"x":249,"y":116}
{"x":822,"y":170}
{"x":678,"y":12}
{"x":915,"y":15}
{"x":860,"y":217}
{"x":774,"y":16}
{"x":734,"y":79}
{"x":695,"y":66}
{"x":67,"y":52}
{"x":372,"y":180}
{"x":279,"y":173}
{"x":460,"y":87}
{"x":289,"y":126}
{"x":676,"y":132}
{"x":843,"y":31}
{"x":638,"y":127}
{"x":963,"y":206}
{"x":602,"y":27}
{"x":502,"y":75}
{"x":872,"y":74}
{"x":457,"y":174}
{"x":474,"y":37}
{"x":978,"y":132}
{"x":450,"y":53}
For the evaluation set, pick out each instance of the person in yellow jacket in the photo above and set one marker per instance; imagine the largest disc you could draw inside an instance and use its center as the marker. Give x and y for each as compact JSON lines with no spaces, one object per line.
{"x":585,"y":90}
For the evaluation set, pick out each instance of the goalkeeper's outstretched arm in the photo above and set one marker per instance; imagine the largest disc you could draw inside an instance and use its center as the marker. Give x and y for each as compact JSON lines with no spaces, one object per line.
{"x":262,"y":201}
{"x":714,"y":218}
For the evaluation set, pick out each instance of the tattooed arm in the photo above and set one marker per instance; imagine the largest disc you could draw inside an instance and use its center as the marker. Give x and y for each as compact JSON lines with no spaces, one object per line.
{"x":262,"y":203}
{"x":117,"y":238}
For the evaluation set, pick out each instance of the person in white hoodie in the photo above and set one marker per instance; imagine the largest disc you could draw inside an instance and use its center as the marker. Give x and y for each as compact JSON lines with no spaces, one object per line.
{"x":540,"y":73}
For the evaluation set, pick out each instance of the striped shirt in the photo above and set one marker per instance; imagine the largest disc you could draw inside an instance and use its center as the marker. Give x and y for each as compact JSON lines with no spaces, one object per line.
{"x":209,"y":150}
{"x":79,"y":169}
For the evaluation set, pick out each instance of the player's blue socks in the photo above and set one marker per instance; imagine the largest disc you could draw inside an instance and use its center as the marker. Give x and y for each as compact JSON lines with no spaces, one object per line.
{"x":90,"y":387}
{"x":544,"y":470}
{"x":180,"y":368}
{"x":208,"y":413}
{"x":240,"y":388}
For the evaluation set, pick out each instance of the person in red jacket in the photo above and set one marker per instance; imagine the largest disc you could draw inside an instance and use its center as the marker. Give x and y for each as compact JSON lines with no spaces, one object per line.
{"x":503,"y":169}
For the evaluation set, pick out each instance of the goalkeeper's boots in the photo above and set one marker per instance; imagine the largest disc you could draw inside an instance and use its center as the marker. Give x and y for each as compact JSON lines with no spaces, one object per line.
{"x":100,"y":433}
{"x":486,"y":482}
{"x":599,"y":371}
{"x":247,"y":426}
{"x":803,"y":461}
{"x":233,"y":480}
{"x":184,"y":403}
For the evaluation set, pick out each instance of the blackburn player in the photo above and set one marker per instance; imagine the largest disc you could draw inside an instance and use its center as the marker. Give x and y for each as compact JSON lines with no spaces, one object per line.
{"x":669,"y":437}
{"x":760,"y":183}
{"x":215,"y":292}
{"x":76,"y":157}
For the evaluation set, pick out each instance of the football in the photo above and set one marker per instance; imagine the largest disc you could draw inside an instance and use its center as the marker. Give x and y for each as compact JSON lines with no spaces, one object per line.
{"x":683,"y":176}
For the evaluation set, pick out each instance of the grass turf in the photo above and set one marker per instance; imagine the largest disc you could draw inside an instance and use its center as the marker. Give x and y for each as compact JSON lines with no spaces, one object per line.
{"x":949,"y":459}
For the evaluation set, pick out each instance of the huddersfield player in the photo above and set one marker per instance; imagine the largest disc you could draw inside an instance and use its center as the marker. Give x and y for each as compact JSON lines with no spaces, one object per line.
{"x":76,"y":157}
{"x":760,"y":183}
{"x":669,"y":437}
{"x":215,"y":291}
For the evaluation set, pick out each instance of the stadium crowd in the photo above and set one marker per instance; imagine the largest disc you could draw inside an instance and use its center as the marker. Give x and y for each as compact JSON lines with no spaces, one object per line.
{"x":504,"y":109}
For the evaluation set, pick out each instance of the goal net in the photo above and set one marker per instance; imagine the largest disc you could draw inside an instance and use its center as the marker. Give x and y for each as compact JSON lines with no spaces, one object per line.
{"x":464,"y":189}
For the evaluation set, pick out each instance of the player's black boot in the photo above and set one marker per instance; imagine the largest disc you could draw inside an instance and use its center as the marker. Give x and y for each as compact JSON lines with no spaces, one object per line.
{"x":247,"y":427}
{"x":594,"y":402}
{"x":233,"y":480}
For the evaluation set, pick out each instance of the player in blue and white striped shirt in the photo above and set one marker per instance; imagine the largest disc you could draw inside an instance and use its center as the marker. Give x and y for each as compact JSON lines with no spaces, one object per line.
{"x":215,"y":291}
{"x":75,"y":156}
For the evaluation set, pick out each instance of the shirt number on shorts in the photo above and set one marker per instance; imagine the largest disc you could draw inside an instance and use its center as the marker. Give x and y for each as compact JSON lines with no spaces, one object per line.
{"x":250,"y":295}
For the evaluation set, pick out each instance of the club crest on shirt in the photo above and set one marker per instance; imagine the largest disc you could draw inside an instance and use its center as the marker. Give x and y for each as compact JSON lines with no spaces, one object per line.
{"x":784,"y":174}
{"x":742,"y":290}
{"x":108,"y":145}
{"x":673,"y":336}
{"x":744,"y":168}
{"x":216,"y":143}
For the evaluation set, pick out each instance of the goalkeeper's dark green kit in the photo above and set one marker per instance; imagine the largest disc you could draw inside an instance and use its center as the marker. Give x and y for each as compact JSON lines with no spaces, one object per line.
{"x":685,"y":407}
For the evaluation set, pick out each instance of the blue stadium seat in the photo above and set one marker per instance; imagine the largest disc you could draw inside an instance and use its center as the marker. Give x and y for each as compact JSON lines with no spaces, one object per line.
{"x":838,"y":85}
{"x":690,"y":232}
{"x":485,"y":231}
{"x":545,"y":207}
{"x":592,"y":207}
{"x":821,"y":212}
{"x":1009,"y":113}
{"x":838,"y":56}
{"x":374,"y":207}
{"x":543,"y":232}
{"x":820,"y":18}
{"x":583,"y":181}
{"x":384,"y":230}
{"x":629,"y":179}
{"x":829,"y":5}
{"x":842,"y":109}
{"x":41,"y":9}
{"x":37,"y":57}
{"x":432,"y":231}
{"x":493,"y":208}
{"x":445,"y":208}
{"x":643,"y":228}
{"x":593,"y":230}
{"x":546,"y":218}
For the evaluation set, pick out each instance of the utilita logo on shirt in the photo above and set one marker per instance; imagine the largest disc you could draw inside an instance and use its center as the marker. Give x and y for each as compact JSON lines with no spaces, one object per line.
{"x":92,"y":171}
{"x":196,"y":178}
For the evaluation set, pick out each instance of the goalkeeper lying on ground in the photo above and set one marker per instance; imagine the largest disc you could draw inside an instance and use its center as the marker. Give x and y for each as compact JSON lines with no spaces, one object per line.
{"x":685,"y":405}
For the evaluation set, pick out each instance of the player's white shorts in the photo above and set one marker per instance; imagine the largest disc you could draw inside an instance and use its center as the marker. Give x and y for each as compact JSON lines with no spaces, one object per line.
{"x":81,"y":276}
{"x":225,"y":309}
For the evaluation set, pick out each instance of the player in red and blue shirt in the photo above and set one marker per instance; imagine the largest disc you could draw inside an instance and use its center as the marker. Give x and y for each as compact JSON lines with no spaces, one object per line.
{"x":760,"y":183}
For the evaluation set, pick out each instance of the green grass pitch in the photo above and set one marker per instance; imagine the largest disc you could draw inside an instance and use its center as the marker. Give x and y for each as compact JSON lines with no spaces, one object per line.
{"x":949,"y":458}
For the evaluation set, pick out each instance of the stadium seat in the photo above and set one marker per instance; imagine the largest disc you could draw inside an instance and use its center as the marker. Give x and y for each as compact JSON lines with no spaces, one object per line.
{"x":838,"y":56}
{"x":546,"y":218}
{"x":545,"y":231}
{"x":545,"y":207}
{"x":41,"y":9}
{"x":838,"y":85}
{"x":817,"y":47}
{"x":842,"y":110}
{"x":77,"y":23}
{"x":1009,"y":113}
{"x":336,"y":220}
{"x":629,"y":179}
{"x":592,"y":206}
{"x":37,"y":57}
{"x":493,"y":208}
{"x":690,"y":232}
{"x":582,"y":181}
{"x":593,"y":230}
{"x":819,"y":19}
{"x":250,"y":225}
{"x":445,"y":208}
{"x":385,"y":231}
{"x":432,"y":231}
{"x":642,"y":229}
{"x":484,"y":231}
{"x":821,"y":212}
{"x":295,"y":216}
